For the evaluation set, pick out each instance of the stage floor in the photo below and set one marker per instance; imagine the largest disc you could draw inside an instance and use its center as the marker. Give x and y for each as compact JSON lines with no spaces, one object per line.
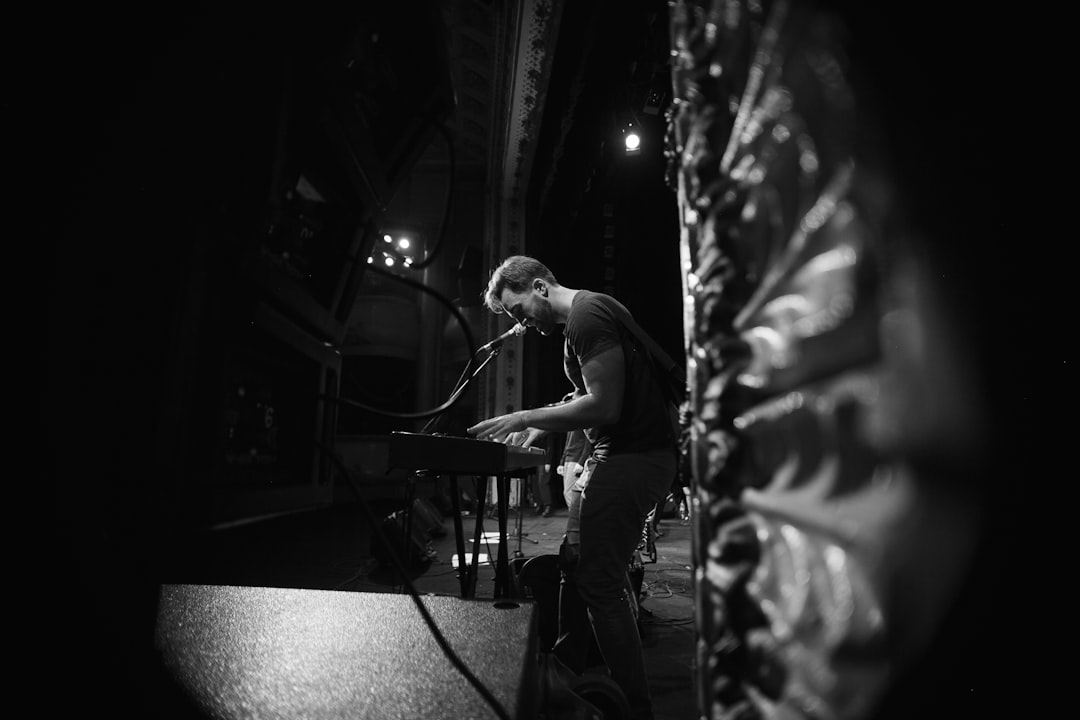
{"x":333,"y":549}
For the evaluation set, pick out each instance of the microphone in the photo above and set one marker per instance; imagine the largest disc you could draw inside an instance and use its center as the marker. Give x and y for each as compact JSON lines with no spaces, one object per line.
{"x":518,"y":329}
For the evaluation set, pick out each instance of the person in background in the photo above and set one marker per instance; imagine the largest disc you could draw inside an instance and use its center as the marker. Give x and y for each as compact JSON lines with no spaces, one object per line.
{"x":575,"y":453}
{"x":557,"y":447}
{"x":540,"y":486}
{"x":620,"y":406}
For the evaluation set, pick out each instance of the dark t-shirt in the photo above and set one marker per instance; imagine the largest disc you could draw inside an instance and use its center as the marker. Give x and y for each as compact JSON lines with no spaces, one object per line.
{"x":593,"y":326}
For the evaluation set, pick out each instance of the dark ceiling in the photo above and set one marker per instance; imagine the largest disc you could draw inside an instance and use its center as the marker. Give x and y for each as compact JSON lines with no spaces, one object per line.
{"x":611,"y":68}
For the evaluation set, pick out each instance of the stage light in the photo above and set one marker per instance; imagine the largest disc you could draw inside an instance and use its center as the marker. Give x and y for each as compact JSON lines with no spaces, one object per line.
{"x":401,"y":248}
{"x":631,"y":140}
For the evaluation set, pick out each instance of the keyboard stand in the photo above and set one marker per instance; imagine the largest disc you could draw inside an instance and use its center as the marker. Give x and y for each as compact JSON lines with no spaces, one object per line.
{"x":453,"y":456}
{"x":503,"y":587}
{"x":459,"y":539}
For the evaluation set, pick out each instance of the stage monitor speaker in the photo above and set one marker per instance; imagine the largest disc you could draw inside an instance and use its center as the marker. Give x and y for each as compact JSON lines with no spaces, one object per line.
{"x":242,"y":652}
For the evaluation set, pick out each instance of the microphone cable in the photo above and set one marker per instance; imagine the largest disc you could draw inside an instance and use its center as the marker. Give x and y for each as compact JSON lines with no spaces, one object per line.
{"x":463,"y":323}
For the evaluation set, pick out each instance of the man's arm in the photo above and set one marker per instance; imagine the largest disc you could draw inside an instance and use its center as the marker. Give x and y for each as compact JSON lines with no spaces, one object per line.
{"x":604,"y":375}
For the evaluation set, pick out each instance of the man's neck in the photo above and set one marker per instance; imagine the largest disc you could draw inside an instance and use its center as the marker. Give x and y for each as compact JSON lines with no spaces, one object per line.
{"x":561,"y":298}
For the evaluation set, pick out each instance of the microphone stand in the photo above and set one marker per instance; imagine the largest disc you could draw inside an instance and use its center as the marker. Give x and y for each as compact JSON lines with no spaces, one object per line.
{"x":459,"y":387}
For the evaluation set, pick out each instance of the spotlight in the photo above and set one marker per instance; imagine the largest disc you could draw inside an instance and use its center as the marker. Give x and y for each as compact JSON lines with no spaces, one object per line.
{"x":631,"y":140}
{"x":401,"y":246}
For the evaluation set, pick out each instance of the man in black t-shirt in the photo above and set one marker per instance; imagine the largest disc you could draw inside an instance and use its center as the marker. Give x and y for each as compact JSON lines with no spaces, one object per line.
{"x":622,"y":408}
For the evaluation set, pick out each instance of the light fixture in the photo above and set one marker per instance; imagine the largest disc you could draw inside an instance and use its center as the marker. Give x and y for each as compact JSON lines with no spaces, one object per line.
{"x":631,"y":140}
{"x":399,"y":247}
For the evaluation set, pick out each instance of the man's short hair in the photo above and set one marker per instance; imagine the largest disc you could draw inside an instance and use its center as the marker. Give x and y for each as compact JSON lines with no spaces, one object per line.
{"x":516,"y":273}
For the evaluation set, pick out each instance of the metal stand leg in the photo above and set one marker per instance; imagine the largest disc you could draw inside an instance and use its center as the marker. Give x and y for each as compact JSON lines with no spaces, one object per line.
{"x":459,"y":536}
{"x":406,"y":526}
{"x":473,"y":568}
{"x":502,"y":566}
{"x":520,"y":515}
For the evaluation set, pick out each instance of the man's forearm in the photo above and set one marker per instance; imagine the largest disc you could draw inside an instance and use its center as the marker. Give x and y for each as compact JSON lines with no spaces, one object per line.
{"x":582,"y":412}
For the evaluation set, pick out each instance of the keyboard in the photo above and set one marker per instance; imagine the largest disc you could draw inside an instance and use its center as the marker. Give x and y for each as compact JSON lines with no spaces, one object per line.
{"x":460,"y":456}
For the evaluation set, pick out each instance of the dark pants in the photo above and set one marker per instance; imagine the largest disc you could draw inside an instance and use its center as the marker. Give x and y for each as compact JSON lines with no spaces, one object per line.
{"x":540,"y":487}
{"x":607,"y":514}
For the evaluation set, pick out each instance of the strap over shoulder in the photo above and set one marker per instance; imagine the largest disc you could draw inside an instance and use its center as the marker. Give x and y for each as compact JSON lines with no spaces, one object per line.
{"x":675,"y":388}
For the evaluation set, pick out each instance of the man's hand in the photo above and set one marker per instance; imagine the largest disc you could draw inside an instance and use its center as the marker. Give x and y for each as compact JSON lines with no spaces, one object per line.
{"x":526,"y":437}
{"x":572,"y":469}
{"x":499,"y":429}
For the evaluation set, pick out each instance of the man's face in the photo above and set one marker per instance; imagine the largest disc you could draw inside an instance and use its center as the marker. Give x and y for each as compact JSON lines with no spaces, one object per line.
{"x":531,"y":309}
